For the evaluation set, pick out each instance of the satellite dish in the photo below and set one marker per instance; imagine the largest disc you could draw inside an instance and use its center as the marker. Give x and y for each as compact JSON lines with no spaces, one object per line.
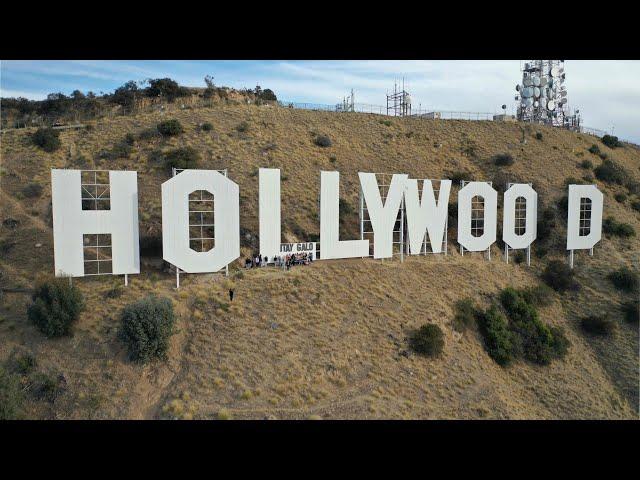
{"x":516,"y":97}
{"x":536,"y":92}
{"x":526,"y":81}
{"x":543,"y":81}
{"x":551,"y":105}
{"x":563,"y":93}
{"x":555,"y":71}
{"x":543,"y":93}
{"x":562,"y":101}
{"x":529,"y":102}
{"x":535,"y":104}
{"x":536,"y":81}
{"x":517,"y":88}
{"x":504,"y":107}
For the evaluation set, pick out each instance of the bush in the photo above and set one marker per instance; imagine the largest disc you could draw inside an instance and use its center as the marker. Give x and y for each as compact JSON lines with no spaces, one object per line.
{"x":56,"y":307}
{"x":625,"y":279}
{"x":47,"y":139}
{"x":503,"y":160}
{"x":120,"y":150}
{"x":465,"y":314}
{"x":187,"y":157}
{"x":610,"y":172}
{"x":539,"y":296}
{"x":170,"y":128}
{"x":586,"y":164}
{"x":611,"y":227}
{"x":546,"y":224}
{"x":611,"y":141}
{"x":206,"y":127}
{"x":538,"y":136}
{"x":11,"y":396}
{"x":631,"y":311}
{"x":560,"y":344}
{"x":498,"y":339}
{"x":129,"y":139}
{"x":146,"y":327}
{"x":535,"y":338}
{"x":24,"y":364}
{"x":620,"y":197}
{"x":32,"y":190}
{"x":597,"y":325}
{"x":636,"y":205}
{"x":428,"y":340}
{"x":242,"y":127}
{"x":559,"y":276}
{"x":322,"y":141}
{"x":594,"y":149}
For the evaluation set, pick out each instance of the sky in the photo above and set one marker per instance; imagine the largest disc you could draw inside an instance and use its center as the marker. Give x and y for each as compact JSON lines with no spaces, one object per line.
{"x":606,"y":92}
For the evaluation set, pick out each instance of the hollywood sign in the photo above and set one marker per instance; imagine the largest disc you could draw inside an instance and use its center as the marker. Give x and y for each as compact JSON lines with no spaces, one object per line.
{"x":426,"y":217}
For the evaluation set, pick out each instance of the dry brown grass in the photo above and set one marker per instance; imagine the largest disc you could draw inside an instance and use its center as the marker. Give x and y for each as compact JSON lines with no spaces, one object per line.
{"x":324,"y":341}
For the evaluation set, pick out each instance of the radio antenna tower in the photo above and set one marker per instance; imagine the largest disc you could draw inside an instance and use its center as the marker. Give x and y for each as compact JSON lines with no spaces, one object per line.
{"x":542,"y":95}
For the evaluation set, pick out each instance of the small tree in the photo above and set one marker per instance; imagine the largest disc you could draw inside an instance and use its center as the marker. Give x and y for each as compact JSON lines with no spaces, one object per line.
{"x":428,"y":340}
{"x":146,"y":327}
{"x":503,"y":160}
{"x":559,"y":276}
{"x":322,"y":141}
{"x":47,"y":139}
{"x":170,"y":128}
{"x":187,"y":157}
{"x":611,"y":141}
{"x":56,"y":307}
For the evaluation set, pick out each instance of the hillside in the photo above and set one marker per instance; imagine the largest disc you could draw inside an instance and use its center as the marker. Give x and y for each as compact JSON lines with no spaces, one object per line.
{"x":326,"y":340}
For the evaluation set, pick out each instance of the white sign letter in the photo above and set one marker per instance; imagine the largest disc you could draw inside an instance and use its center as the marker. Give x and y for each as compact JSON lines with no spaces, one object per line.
{"x":175,"y":221}
{"x":482,"y":233}
{"x":383,"y":217}
{"x":71,"y":222}
{"x":584,"y":225}
{"x":269,"y":211}
{"x":509,"y":220}
{"x":426,"y":214}
{"x":330,"y":244}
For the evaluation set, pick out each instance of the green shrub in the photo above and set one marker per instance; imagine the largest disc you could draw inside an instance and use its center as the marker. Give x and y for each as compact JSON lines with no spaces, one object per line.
{"x":32,"y":190}
{"x":559,"y":276}
{"x":538,"y":135}
{"x":206,"y":127}
{"x":242,"y":127}
{"x":186,"y":157}
{"x":498,"y":339}
{"x":56,"y":307}
{"x":11,"y":396}
{"x":536,"y":341}
{"x":121,"y":150}
{"x":465,"y":314}
{"x":322,"y":141}
{"x":47,"y":139}
{"x":636,"y":205}
{"x":129,"y":139}
{"x":611,"y":141}
{"x":46,"y":387}
{"x":586,"y":164}
{"x":610,"y":172}
{"x":503,"y":160}
{"x":620,"y":197}
{"x":24,"y":364}
{"x":546,"y":224}
{"x":611,"y":227}
{"x":631,"y":311}
{"x":594,"y":149}
{"x":170,"y":128}
{"x":560,"y":344}
{"x":598,"y":325}
{"x":428,"y":340}
{"x":146,"y":327}
{"x":539,"y":296}
{"x":625,"y":279}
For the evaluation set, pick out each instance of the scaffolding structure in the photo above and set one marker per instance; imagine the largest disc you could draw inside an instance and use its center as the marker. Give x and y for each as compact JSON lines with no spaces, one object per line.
{"x":201,"y":222}
{"x":399,"y":102}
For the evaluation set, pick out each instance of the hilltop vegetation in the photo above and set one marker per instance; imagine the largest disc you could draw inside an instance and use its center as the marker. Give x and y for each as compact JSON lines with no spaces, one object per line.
{"x":335,"y":339}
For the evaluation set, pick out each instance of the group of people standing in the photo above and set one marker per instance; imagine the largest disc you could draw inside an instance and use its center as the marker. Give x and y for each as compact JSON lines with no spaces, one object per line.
{"x":284,"y":261}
